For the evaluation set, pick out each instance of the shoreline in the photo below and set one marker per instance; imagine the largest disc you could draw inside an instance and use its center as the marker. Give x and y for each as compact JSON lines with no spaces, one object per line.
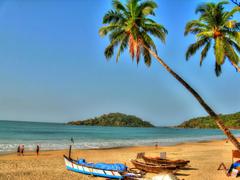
{"x":116,"y":147}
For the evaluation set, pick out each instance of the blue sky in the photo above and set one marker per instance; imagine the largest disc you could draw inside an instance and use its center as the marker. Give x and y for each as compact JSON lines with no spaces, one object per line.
{"x":52,"y":66}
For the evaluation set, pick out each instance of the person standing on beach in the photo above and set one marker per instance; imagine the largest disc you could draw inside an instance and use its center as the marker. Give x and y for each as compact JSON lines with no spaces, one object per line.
{"x":37,"y":149}
{"x":72,"y":140}
{"x":22,"y":150}
{"x":18,"y":150}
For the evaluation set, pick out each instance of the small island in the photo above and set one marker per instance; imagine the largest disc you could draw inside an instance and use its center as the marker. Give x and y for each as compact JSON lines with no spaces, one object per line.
{"x":114,"y":119}
{"x":231,"y":121}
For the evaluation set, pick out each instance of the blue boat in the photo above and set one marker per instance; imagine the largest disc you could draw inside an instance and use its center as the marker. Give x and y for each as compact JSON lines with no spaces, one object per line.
{"x":112,"y":171}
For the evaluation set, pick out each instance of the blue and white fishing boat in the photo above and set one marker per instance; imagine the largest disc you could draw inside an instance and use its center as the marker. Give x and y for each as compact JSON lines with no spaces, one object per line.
{"x":112,"y":171}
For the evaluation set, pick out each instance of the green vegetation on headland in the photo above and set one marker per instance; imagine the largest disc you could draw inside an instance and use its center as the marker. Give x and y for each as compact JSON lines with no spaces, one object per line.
{"x":230,"y":120}
{"x":114,"y":119}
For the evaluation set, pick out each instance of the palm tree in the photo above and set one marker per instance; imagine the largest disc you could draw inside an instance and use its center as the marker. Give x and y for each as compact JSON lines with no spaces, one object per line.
{"x":130,"y":27}
{"x":215,"y":26}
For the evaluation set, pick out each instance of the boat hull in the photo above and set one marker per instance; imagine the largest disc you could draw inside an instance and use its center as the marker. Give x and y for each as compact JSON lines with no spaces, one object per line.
{"x":152,"y":168}
{"x":158,"y":161}
{"x":72,"y":166}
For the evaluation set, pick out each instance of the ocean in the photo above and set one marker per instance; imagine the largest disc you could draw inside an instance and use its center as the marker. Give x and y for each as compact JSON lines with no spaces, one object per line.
{"x":54,"y":136}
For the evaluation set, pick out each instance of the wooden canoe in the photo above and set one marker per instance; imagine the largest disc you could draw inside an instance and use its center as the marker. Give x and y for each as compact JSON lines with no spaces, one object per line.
{"x":153,"y":168}
{"x":159,"y":161}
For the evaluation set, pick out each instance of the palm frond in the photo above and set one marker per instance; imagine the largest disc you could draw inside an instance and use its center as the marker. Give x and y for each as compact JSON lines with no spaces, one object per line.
{"x":208,"y":34}
{"x":205,"y":51}
{"x":231,"y":54}
{"x":221,"y":3}
{"x":118,"y":6}
{"x":235,"y":45}
{"x":147,"y":57}
{"x":219,"y":50}
{"x":232,"y":35}
{"x":122,"y":47}
{"x":234,"y":27}
{"x":147,"y":40}
{"x":204,"y":8}
{"x":117,"y":35}
{"x":116,"y":39}
{"x":229,"y":15}
{"x":112,"y":17}
{"x":230,"y":24}
{"x":195,"y":26}
{"x":218,"y":69}
{"x":195,"y":46}
{"x":156,"y":30}
{"x":132,"y":7}
{"x":103,"y":31}
{"x":147,"y":8}
{"x":109,"y":51}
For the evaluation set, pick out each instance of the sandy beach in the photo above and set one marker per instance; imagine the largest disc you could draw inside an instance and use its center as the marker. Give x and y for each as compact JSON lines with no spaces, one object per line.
{"x":205,"y":158}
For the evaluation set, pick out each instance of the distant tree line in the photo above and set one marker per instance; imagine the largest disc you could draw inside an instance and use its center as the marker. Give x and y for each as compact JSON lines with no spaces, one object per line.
{"x":230,"y":120}
{"x":114,"y":119}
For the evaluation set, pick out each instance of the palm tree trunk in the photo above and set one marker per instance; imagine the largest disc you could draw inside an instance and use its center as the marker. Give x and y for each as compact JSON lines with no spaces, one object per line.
{"x":209,"y":110}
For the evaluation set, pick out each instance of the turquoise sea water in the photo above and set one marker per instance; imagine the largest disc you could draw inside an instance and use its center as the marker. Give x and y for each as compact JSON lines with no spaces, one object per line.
{"x":52,"y":136}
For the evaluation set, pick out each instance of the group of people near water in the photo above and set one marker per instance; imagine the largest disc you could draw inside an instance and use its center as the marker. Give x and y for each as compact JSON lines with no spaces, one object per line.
{"x":20,"y":150}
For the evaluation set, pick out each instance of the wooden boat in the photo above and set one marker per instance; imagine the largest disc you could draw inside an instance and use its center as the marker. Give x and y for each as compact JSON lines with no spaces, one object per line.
{"x":159,"y":161}
{"x":153,"y":168}
{"x":89,"y":169}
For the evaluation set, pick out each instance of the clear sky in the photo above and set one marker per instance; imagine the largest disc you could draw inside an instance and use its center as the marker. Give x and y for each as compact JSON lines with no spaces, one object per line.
{"x":52,"y":66}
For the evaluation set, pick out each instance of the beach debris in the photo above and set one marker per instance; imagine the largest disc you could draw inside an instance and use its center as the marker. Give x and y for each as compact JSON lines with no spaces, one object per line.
{"x":165,"y":177}
{"x":222,"y":166}
{"x":137,"y":172}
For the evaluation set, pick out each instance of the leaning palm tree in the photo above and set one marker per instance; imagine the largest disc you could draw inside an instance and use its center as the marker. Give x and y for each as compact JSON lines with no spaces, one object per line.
{"x":130,"y":27}
{"x":216,"y":26}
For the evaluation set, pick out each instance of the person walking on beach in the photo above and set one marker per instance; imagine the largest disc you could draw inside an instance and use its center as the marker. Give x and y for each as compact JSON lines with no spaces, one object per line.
{"x":37,"y":149}
{"x":72,"y":140}
{"x":22,"y":150}
{"x":18,"y":150}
